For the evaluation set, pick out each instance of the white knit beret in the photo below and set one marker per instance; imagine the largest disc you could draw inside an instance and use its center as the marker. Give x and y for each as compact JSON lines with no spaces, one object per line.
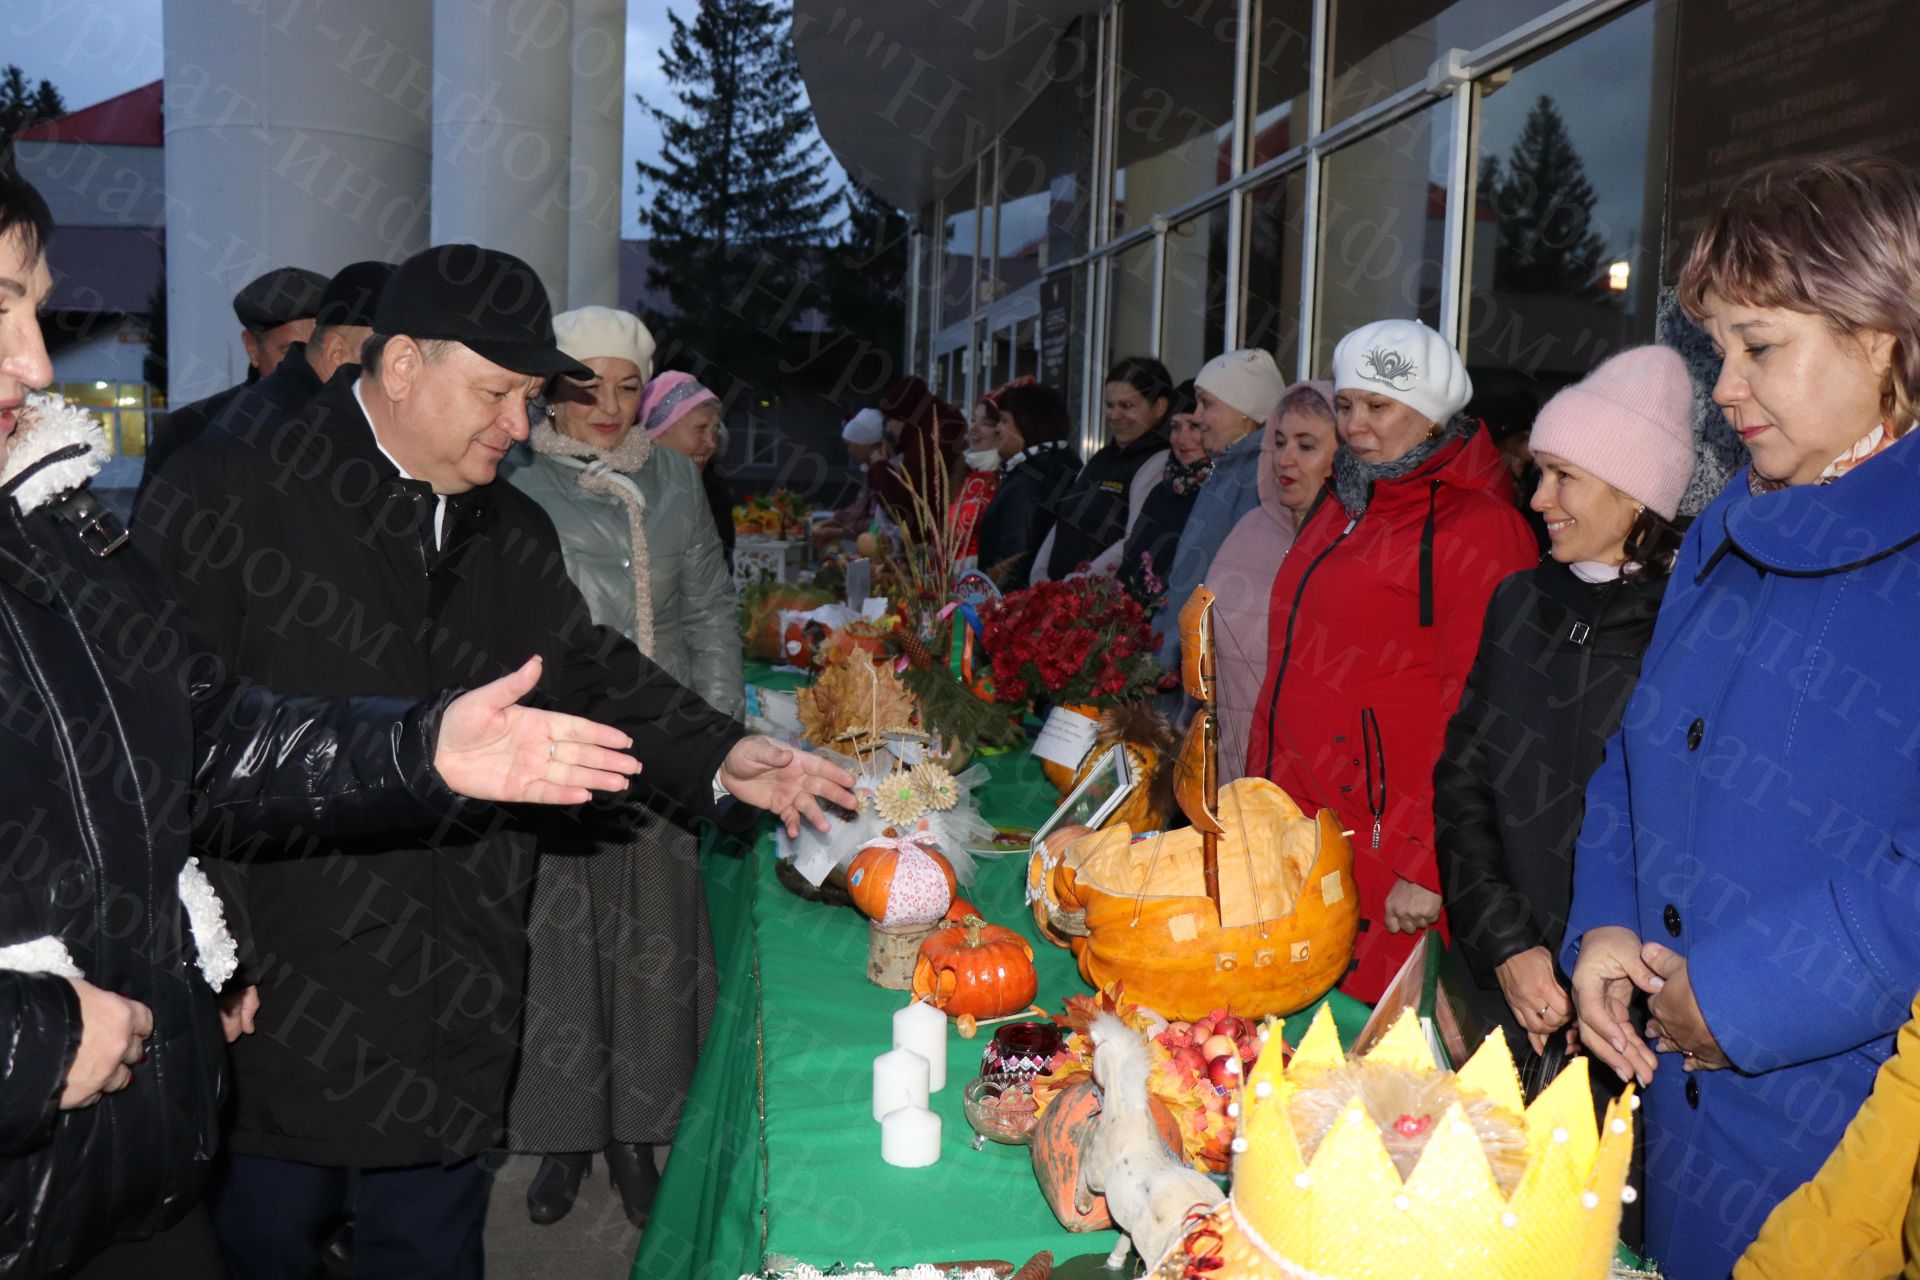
{"x":589,"y":332}
{"x":1247,"y":380}
{"x":1405,"y":361}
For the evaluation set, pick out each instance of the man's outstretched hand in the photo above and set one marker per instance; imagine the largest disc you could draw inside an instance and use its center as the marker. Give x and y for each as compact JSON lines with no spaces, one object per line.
{"x":491,"y":748}
{"x":786,"y":783}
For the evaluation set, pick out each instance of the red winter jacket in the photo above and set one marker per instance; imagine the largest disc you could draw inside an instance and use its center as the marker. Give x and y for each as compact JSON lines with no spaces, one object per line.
{"x":1375,"y":621}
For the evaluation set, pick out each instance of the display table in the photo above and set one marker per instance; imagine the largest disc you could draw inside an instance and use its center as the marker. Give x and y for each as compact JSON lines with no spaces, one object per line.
{"x":777,"y":1158}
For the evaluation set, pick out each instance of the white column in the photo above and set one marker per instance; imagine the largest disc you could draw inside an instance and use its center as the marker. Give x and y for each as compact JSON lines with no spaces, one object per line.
{"x":598,"y":173}
{"x":502,"y":116}
{"x":296,"y":135}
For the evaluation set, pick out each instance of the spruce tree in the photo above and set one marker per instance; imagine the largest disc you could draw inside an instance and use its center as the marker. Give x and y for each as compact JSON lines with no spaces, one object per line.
{"x":22,"y":104}
{"x":866,"y":273}
{"x":1547,"y":240}
{"x":738,"y":197}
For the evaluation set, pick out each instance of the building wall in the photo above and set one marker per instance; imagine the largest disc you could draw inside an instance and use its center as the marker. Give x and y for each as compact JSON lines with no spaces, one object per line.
{"x":1344,"y":161}
{"x":89,"y":185}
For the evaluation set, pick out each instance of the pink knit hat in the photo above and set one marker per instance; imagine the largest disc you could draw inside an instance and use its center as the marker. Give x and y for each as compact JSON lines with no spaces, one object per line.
{"x":669,"y":398}
{"x":1628,"y":422}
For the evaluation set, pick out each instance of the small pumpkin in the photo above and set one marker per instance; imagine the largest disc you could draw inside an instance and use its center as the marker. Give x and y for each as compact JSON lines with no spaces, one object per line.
{"x":902,"y":880}
{"x":975,"y":969}
{"x":960,"y":910}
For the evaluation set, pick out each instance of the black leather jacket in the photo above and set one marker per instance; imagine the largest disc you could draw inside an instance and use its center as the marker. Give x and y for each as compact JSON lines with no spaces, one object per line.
{"x":115,"y":740}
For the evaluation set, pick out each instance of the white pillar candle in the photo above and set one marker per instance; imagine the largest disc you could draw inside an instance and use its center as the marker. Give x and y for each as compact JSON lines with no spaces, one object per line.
{"x":923,"y":1029}
{"x":899,"y":1080}
{"x":910,"y":1137}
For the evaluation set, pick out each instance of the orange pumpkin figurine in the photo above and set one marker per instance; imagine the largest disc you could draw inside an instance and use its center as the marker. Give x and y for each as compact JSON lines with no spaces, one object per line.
{"x":900,"y":880}
{"x":1139,"y":915}
{"x":976,"y":970}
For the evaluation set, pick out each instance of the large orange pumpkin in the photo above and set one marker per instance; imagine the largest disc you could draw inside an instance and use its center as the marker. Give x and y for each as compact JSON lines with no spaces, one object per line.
{"x":1138,"y":914}
{"x":1061,"y":1137}
{"x":976,"y":969}
{"x":899,"y":883}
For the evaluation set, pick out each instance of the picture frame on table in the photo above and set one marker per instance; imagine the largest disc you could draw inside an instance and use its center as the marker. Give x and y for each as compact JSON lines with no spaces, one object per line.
{"x":1097,"y":796}
{"x":1427,"y":985}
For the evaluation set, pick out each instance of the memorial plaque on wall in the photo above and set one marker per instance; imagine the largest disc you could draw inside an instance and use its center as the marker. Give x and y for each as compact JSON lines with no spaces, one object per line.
{"x":1056,"y":327}
{"x":1759,"y":79}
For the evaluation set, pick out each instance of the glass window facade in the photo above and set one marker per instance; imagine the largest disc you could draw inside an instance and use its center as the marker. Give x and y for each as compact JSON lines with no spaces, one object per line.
{"x":1563,"y":266}
{"x":1173,"y":99}
{"x":122,"y":407}
{"x":1193,"y":304}
{"x":1130,"y":309}
{"x":1382,"y":224}
{"x":1270,"y":302}
{"x":1204,"y":186}
{"x":1382,"y":48}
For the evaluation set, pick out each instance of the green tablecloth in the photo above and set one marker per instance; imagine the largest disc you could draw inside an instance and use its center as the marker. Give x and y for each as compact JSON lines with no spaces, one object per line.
{"x":778,"y":1156}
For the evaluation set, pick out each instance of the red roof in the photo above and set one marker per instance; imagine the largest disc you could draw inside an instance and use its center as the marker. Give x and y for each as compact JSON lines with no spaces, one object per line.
{"x":130,"y":120}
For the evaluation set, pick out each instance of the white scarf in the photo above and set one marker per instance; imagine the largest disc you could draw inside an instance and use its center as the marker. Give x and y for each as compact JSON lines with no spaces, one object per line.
{"x":607,"y":471}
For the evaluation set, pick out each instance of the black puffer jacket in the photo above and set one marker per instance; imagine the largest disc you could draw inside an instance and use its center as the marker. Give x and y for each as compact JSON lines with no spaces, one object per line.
{"x":1092,"y":514}
{"x":1558,"y":660}
{"x":114,"y":739}
{"x":1015,"y":523}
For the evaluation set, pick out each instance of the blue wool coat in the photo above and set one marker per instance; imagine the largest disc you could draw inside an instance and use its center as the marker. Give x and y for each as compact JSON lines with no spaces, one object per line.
{"x":1757,"y":812}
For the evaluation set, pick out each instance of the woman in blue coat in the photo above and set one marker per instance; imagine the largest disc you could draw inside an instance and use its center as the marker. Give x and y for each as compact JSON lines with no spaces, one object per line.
{"x":1750,"y":856}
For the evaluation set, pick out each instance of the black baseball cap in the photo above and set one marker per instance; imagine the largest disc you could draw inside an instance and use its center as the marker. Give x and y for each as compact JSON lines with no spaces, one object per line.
{"x":280,"y":296}
{"x":484,"y":299}
{"x":353,"y":294}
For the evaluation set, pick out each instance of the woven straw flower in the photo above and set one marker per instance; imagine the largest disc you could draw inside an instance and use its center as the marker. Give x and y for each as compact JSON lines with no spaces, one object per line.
{"x":897,"y":800}
{"x":937,"y":788}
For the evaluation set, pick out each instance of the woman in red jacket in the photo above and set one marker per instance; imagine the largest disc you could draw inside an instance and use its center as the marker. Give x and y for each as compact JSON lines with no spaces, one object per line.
{"x":1376,"y":618}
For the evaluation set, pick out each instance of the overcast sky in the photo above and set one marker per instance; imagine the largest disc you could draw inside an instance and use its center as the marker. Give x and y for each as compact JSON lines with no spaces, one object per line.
{"x":95,"y":49}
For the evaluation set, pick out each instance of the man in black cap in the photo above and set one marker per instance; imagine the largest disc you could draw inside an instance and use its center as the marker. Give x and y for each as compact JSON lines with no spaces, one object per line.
{"x":276,"y":311}
{"x":363,"y":546}
{"x":342,"y":323}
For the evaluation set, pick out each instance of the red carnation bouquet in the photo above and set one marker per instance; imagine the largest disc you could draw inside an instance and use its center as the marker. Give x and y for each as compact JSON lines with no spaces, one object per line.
{"x":1081,"y":642}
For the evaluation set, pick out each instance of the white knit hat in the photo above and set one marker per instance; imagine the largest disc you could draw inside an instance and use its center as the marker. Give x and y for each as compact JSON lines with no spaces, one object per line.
{"x":1247,"y":380}
{"x":589,"y":332}
{"x":1405,"y":361}
{"x":864,"y":427}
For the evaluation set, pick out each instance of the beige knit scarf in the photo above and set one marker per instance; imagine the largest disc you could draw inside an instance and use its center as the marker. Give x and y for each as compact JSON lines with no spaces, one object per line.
{"x":608,"y":472}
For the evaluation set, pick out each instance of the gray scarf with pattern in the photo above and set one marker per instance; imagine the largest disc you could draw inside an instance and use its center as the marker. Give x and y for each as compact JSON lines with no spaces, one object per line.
{"x":1353,"y":480}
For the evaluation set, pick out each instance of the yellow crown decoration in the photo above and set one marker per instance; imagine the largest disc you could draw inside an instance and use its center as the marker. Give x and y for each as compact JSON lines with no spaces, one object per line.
{"x":1346,"y":1212}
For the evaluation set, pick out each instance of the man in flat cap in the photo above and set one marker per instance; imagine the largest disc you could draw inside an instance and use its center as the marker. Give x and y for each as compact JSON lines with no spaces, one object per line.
{"x":364,"y":547}
{"x":276,"y":311}
{"x":341,"y":325}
